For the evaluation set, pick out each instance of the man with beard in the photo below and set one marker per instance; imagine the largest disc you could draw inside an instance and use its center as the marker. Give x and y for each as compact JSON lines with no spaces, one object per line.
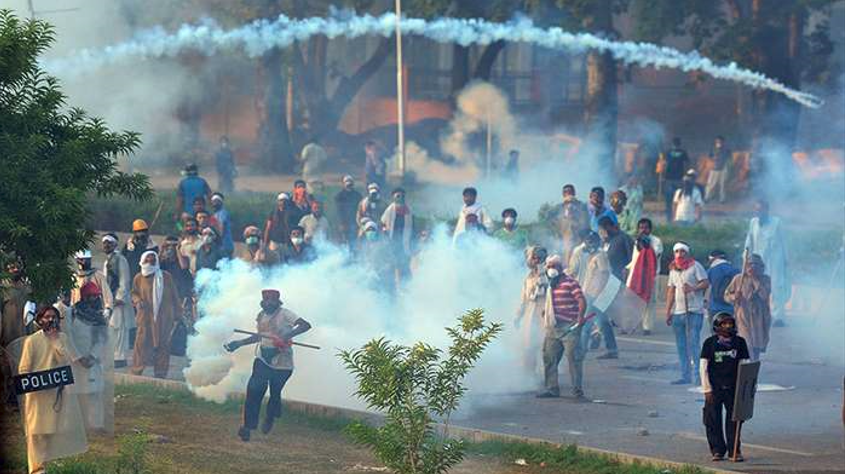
{"x":750,"y":292}
{"x":643,"y":270}
{"x":766,"y":238}
{"x":597,"y":209}
{"x":346,"y":205}
{"x":572,"y":220}
{"x":118,"y":279}
{"x":156,"y":308}
{"x":721,"y":355}
{"x":688,"y":202}
{"x":563,"y":318}
{"x":273,"y":364}
{"x":139,"y":243}
{"x":224,"y":222}
{"x":190,"y":245}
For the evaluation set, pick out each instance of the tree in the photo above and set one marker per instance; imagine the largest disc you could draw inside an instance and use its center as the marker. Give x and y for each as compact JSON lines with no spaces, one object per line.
{"x":414,"y":386}
{"x":53,"y":159}
{"x":774,"y":37}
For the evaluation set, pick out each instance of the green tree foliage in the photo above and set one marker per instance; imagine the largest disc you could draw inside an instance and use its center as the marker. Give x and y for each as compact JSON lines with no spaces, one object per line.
{"x":53,"y":157}
{"x":415,"y":386}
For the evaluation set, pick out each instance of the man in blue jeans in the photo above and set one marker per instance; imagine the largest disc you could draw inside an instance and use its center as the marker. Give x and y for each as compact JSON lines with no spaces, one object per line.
{"x":685,"y":309}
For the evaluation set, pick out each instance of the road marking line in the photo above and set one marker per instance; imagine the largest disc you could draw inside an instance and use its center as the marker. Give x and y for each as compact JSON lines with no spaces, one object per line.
{"x":755,"y":446}
{"x":645,"y":341}
{"x":645,"y":379}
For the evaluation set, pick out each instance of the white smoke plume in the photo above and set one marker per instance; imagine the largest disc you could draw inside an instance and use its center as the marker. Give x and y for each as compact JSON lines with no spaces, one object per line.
{"x":262,"y":35}
{"x":343,"y":301}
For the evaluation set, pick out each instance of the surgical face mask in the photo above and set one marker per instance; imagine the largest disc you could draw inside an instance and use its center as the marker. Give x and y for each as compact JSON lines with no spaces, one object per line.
{"x":252,"y":240}
{"x":370,"y":235}
{"x":374,"y":195}
{"x":552,"y":273}
{"x":296,"y":240}
{"x":509,"y":221}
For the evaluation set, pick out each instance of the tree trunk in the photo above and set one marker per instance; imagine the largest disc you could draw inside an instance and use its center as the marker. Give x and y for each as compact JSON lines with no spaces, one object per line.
{"x":460,"y":68}
{"x":484,"y":68}
{"x":601,"y":103}
{"x":274,"y":141}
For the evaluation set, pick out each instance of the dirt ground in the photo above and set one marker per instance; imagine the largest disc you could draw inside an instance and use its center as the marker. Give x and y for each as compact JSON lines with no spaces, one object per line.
{"x":200,"y":438}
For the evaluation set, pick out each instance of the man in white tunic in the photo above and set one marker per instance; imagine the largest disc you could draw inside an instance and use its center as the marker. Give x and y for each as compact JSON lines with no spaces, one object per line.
{"x":119,"y":280}
{"x":766,"y":239}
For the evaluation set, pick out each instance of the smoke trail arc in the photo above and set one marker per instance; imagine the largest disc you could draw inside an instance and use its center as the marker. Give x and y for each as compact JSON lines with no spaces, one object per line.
{"x":259,"y":36}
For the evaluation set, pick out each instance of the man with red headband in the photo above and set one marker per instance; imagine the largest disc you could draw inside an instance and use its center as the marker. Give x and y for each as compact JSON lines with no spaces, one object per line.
{"x":685,"y":308}
{"x":721,"y":355}
{"x":273,"y":363}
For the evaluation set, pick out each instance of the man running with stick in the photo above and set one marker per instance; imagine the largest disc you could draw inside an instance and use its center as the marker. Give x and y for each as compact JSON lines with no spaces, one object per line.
{"x":273,"y":363}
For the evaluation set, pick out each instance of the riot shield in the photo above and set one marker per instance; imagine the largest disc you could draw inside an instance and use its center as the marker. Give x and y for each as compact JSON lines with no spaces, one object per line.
{"x":620,"y":304}
{"x":43,"y":372}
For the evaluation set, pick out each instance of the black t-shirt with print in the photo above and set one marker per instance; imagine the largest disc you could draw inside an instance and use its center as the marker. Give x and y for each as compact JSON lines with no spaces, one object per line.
{"x":723,"y":360}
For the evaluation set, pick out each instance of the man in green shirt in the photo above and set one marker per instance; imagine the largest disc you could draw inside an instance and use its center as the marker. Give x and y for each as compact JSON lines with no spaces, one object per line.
{"x":510,"y":234}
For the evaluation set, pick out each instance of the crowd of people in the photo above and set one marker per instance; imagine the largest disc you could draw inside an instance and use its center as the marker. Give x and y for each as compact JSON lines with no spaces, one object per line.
{"x":145,"y":290}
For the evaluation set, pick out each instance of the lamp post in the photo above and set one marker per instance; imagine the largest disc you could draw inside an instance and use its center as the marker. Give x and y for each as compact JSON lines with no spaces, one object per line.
{"x":400,"y":99}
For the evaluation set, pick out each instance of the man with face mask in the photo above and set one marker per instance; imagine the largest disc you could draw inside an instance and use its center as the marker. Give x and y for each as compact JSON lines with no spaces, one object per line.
{"x":87,"y":326}
{"x":685,"y":308}
{"x":510,"y":233}
{"x":316,"y":224}
{"x":371,"y":207}
{"x":529,"y":316}
{"x":209,"y":253}
{"x":346,"y":206}
{"x":563,"y":317}
{"x":85,"y":273}
{"x":298,"y":251}
{"x":721,"y":355}
{"x":254,"y":253}
{"x":572,"y":220}
{"x":643,"y":269}
{"x":224,"y":223}
{"x":766,"y":238}
{"x":118,"y":279}
{"x":156,"y":307}
{"x":750,"y":293}
{"x":398,"y":222}
{"x":139,"y":243}
{"x":301,"y":203}
{"x":273,"y":364}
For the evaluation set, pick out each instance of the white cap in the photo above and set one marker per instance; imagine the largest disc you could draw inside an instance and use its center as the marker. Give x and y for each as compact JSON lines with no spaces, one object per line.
{"x":83,"y":254}
{"x":217,"y":197}
{"x":370,"y":225}
{"x":283,"y":196}
{"x":554,"y":260}
{"x":680,"y":246}
{"x":348,"y":178}
{"x":372,"y":186}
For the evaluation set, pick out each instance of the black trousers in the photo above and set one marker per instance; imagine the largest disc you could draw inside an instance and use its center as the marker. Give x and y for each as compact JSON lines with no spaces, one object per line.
{"x":262,"y":377}
{"x":713,"y":422}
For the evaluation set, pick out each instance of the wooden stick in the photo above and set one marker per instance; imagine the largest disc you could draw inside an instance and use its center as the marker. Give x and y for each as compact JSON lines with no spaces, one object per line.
{"x":736,"y":439}
{"x":157,"y":214}
{"x":301,"y":344}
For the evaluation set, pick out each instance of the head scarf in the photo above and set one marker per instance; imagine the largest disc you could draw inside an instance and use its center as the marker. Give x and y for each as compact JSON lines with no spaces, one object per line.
{"x":682,"y":263}
{"x":153,"y":269}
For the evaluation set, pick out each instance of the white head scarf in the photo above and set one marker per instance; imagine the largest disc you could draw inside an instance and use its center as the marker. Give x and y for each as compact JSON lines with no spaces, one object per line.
{"x":153,"y":269}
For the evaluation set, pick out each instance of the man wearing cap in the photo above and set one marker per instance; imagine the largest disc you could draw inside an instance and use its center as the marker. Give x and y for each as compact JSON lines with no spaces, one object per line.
{"x":371,"y":207}
{"x":563,"y":317}
{"x":273,"y":364}
{"x":254,"y":253}
{"x":719,"y":274}
{"x":277,"y":227}
{"x":346,"y":206}
{"x":224,"y":223}
{"x":85,"y":272}
{"x":139,"y":243}
{"x":156,"y":308}
{"x":685,"y":308}
{"x":190,"y":187}
{"x":119,"y":281}
{"x":749,"y":293}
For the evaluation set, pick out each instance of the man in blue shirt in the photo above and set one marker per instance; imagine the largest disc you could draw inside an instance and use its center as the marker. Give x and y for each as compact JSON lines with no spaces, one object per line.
{"x":191,"y":187}
{"x":227,"y":243}
{"x":720,"y":274}
{"x":598,"y":209}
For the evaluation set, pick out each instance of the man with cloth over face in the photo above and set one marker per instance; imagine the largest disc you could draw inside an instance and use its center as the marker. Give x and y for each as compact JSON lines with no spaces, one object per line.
{"x":273,"y":363}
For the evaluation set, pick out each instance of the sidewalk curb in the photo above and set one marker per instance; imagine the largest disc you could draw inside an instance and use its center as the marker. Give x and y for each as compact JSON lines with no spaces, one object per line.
{"x":470,"y":434}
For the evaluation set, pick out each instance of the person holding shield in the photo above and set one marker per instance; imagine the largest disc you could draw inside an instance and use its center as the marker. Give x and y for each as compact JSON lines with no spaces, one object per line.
{"x":721,"y":355}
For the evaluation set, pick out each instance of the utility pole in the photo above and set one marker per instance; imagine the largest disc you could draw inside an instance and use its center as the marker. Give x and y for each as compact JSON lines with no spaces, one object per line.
{"x":400,"y":96}
{"x":33,"y":13}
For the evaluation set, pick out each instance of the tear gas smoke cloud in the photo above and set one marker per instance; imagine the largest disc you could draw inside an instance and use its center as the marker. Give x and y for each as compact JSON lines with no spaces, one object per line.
{"x":347,"y":307}
{"x":262,"y":35}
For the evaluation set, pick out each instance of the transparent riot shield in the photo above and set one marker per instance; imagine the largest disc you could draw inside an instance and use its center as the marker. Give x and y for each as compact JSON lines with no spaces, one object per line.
{"x":51,"y":415}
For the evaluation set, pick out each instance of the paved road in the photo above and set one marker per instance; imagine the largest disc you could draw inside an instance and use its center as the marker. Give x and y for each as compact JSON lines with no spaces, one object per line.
{"x":797,"y":430}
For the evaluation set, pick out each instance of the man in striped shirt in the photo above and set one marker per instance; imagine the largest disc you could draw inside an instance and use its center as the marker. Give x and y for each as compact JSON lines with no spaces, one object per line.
{"x":563,"y":318}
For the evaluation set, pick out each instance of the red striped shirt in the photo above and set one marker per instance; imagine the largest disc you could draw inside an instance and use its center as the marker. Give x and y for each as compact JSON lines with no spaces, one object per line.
{"x":565,"y":296}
